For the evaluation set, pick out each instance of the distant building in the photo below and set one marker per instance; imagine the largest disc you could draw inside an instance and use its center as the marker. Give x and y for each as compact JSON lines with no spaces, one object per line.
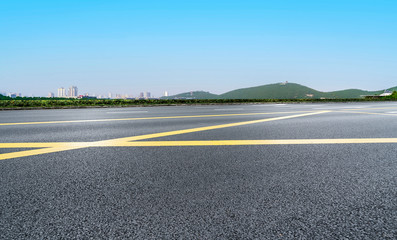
{"x":146,"y":95}
{"x":141,"y":95}
{"x":61,"y":92}
{"x":165,"y":94}
{"x":51,"y":95}
{"x":284,"y":83}
{"x":386,"y":93}
{"x":73,"y":92}
{"x":12,"y":95}
{"x":86,"y":97}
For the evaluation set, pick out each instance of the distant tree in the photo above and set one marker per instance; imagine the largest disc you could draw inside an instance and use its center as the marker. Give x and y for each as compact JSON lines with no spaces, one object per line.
{"x":2,"y":97}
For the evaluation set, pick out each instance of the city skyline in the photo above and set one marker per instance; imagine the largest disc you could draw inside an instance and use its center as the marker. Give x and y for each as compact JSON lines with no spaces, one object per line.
{"x":72,"y":92}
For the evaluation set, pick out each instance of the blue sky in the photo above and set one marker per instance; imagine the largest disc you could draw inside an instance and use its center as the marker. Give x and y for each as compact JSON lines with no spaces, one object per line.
{"x":134,"y":46}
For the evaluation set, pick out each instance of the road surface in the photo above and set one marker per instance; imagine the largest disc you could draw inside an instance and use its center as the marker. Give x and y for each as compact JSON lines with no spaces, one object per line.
{"x":267,"y":171}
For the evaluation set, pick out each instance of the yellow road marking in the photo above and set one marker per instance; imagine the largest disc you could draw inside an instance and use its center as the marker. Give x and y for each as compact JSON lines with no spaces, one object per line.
{"x":59,"y":146}
{"x":35,"y":152}
{"x":141,"y":137}
{"x":200,"y":143}
{"x":255,"y":142}
{"x":199,"y":129}
{"x":51,"y":147}
{"x":145,"y":118}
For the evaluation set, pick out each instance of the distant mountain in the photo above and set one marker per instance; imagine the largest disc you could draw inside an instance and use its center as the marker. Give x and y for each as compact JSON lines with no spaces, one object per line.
{"x":356,"y":93}
{"x":352,"y":93}
{"x":274,"y":91}
{"x":278,"y":91}
{"x":392,"y":89}
{"x":193,"y":95}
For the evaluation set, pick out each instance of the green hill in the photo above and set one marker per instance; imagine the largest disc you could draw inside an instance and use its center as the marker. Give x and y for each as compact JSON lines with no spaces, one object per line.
{"x":357,"y":93}
{"x":279,"y":91}
{"x":392,"y":89}
{"x":352,"y":93}
{"x":274,"y":91}
{"x":193,"y":95}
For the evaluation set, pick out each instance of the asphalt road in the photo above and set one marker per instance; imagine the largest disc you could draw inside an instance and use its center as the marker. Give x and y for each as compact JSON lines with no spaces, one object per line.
{"x":269,"y":171}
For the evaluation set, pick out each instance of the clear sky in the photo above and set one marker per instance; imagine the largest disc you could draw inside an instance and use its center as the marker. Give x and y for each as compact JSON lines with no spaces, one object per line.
{"x":133,"y":46}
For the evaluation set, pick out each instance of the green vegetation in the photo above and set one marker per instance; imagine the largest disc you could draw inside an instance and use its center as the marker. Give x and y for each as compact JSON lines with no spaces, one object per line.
{"x":2,"y":97}
{"x":393,"y":96}
{"x":280,"y":91}
{"x":59,"y":103}
{"x":76,"y":103}
{"x":274,"y":91}
{"x":194,"y":95}
{"x":352,"y":93}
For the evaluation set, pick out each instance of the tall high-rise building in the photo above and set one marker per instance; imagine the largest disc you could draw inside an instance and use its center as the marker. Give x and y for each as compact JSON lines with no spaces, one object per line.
{"x":50,"y":95}
{"x":166,"y":94}
{"x":141,"y":95}
{"x":72,"y":91}
{"x":61,"y":92}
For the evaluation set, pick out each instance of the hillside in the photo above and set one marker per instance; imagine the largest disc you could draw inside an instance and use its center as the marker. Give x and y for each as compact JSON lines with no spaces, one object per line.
{"x":392,"y":89}
{"x":274,"y":91}
{"x":352,"y":93}
{"x":193,"y":95}
{"x":279,"y":91}
{"x":357,"y":93}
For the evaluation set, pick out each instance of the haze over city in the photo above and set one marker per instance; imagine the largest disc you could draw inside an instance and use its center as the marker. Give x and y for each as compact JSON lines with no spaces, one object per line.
{"x":129,"y":47}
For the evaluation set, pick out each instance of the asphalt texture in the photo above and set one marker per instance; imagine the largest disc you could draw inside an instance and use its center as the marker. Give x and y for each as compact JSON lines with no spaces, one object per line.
{"x":308,"y":191}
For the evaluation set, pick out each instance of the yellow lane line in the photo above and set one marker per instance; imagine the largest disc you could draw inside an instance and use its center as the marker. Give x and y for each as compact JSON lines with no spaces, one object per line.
{"x":57,"y":146}
{"x":35,"y":152}
{"x":199,"y":129}
{"x":254,"y":142}
{"x":202,"y":143}
{"x":146,"y":118}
